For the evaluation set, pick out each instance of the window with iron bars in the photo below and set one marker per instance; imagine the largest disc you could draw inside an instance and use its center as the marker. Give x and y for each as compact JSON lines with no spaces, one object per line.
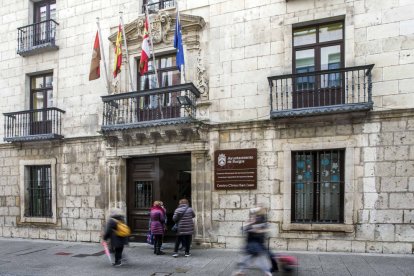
{"x":318,"y":186}
{"x":156,"y":5}
{"x":39,"y":192}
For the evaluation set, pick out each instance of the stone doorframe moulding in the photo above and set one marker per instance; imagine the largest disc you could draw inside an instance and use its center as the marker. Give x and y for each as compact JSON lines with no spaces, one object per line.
{"x":115,"y":183}
{"x":24,"y":176}
{"x":201,"y":197}
{"x":349,"y":186}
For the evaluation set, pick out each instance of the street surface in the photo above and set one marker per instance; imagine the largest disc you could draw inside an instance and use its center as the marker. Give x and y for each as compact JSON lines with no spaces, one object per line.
{"x":20,"y":257}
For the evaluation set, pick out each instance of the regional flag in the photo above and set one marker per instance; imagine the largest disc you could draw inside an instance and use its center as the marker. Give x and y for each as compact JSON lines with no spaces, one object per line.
{"x":95,"y":71}
{"x":178,"y":43}
{"x":145,"y":52}
{"x":118,"y":52}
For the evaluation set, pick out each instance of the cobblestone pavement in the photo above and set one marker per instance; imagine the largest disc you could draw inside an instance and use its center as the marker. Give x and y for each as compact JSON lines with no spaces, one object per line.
{"x":38,"y":257}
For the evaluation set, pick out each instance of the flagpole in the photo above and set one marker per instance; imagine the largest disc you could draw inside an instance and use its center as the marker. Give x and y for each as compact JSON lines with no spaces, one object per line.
{"x":126,"y":50}
{"x":153,"y":58}
{"x":182,"y":69}
{"x":103,"y":55}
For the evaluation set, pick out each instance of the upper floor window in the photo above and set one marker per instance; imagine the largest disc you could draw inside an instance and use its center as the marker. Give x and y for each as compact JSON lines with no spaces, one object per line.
{"x":41,"y":91}
{"x":318,"y":186}
{"x":156,"y":5}
{"x":315,"y":48}
{"x":167,"y":70}
{"x":44,"y":10}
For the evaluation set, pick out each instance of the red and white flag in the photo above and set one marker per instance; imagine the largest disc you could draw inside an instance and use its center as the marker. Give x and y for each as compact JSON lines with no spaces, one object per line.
{"x":145,"y":53}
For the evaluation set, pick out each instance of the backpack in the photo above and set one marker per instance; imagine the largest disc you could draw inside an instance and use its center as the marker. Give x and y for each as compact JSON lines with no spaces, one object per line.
{"x":122,"y":230}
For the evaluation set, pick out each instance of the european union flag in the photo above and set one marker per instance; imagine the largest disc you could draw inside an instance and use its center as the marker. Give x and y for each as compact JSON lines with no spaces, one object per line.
{"x":178,"y":43}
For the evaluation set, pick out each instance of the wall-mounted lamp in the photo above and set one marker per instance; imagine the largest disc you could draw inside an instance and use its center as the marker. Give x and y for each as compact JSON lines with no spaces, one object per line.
{"x":184,"y":100}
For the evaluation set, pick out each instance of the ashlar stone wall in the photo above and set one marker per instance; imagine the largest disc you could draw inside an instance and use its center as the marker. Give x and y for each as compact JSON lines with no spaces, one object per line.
{"x":80,"y":186}
{"x":379,"y":191}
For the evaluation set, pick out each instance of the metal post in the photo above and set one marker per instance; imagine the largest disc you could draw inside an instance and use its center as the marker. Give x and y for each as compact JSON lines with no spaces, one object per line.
{"x":126,"y":50}
{"x":103,"y":55}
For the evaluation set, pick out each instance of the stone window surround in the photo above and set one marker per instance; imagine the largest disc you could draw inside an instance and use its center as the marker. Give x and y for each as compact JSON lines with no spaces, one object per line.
{"x":23,"y":164}
{"x":347,"y":226}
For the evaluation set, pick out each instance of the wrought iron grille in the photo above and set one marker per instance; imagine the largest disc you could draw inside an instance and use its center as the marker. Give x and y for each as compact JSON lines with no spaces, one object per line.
{"x":318,"y":186}
{"x":33,"y":124}
{"x":143,"y":194}
{"x":154,"y":6}
{"x":39,"y":192}
{"x":160,"y":104}
{"x":35,"y":36}
{"x":334,"y":90}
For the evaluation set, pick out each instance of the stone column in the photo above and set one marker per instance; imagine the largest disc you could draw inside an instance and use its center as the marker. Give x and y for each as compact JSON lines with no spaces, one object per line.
{"x":201,"y":196}
{"x":116,"y":183}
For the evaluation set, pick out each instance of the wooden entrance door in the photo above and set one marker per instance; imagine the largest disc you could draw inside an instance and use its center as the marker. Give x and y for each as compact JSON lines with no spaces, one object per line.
{"x":143,"y":188}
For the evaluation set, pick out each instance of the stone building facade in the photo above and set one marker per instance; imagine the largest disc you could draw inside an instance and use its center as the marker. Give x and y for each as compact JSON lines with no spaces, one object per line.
{"x":336,"y":174}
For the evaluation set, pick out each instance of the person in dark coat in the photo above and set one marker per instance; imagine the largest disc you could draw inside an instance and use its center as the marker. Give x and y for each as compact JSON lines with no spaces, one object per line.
{"x":157,"y":216}
{"x":116,"y":242}
{"x":183,"y":216}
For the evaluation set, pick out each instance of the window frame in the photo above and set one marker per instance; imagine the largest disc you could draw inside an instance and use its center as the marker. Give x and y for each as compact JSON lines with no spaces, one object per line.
{"x":316,"y":200}
{"x":350,"y":184}
{"x":36,"y":9}
{"x":318,"y":45}
{"x":43,"y":90}
{"x":24,"y":166}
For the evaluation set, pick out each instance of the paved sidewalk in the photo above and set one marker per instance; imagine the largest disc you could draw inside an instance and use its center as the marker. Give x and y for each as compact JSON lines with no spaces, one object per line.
{"x":38,"y":257}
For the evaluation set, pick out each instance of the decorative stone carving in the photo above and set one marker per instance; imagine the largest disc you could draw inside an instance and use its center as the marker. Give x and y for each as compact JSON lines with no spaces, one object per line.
{"x":202,"y":81}
{"x":160,"y":26}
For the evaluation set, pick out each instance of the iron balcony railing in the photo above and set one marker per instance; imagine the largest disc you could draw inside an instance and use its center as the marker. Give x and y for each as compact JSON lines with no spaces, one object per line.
{"x":155,"y":6}
{"x":35,"y":124}
{"x":159,"y":106}
{"x":327,"y":91}
{"x":37,"y":37}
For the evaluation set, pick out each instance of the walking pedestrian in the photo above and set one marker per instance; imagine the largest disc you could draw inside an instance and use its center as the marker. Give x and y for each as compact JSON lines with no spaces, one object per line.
{"x":255,"y":250}
{"x":157,"y":216}
{"x":117,"y":231}
{"x":183,"y":218}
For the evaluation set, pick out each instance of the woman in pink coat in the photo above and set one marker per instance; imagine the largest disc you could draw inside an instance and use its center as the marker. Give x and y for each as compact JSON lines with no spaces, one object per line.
{"x":157,"y":216}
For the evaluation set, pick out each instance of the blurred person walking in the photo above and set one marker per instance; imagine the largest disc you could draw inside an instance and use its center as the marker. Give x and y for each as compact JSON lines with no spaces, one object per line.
{"x":118,"y":232}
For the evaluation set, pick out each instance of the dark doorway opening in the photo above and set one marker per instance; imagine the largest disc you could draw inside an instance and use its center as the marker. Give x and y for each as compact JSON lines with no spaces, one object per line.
{"x":166,"y":178}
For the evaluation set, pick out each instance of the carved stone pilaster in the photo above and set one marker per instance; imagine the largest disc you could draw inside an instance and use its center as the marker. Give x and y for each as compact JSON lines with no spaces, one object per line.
{"x":201,"y":197}
{"x":201,"y":77}
{"x":115,"y":183}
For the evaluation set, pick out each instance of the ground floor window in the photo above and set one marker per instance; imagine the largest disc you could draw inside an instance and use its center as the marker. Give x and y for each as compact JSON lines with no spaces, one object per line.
{"x":39,"y":192}
{"x":318,"y":186}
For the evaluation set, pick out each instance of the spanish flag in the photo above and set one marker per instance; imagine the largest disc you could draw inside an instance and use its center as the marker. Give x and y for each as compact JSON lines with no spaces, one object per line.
{"x":95,"y":71}
{"x":118,"y":52}
{"x":145,"y":52}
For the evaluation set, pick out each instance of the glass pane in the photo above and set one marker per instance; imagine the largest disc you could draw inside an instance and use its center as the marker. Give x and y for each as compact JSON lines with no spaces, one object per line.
{"x":305,"y":62}
{"x":53,"y":11}
{"x":147,"y":82}
{"x":49,"y":98}
{"x":38,"y":100}
{"x":330,"y":59}
{"x":168,"y":62}
{"x":170,"y":78}
{"x":330,"y":32}
{"x":37,"y":82}
{"x":330,"y":187}
{"x":304,"y":36}
{"x":49,"y":81}
{"x":43,"y":13}
{"x":303,"y":187}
